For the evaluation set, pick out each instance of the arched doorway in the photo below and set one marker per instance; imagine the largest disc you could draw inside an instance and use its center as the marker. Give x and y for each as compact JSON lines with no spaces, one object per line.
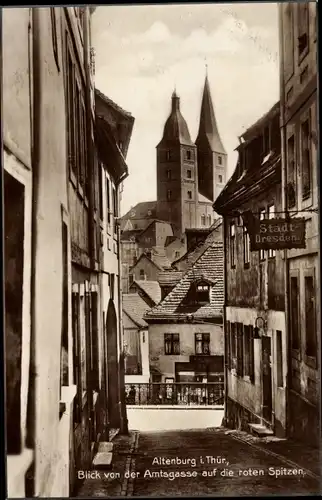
{"x":112,"y":366}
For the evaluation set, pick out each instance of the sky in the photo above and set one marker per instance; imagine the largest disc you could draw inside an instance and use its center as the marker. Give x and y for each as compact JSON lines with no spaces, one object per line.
{"x":144,"y":52}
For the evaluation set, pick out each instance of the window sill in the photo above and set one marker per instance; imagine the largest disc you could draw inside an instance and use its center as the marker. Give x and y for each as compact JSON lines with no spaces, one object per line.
{"x":296,"y":354}
{"x":95,"y":396}
{"x":68,"y":394}
{"x":310,"y":361}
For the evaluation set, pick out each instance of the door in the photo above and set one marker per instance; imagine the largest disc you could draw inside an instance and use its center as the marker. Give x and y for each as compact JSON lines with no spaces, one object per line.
{"x":267,"y":378}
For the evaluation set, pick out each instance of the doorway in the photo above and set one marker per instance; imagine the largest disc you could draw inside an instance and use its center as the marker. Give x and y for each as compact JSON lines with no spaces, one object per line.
{"x":267,"y":378}
{"x":112,"y":367}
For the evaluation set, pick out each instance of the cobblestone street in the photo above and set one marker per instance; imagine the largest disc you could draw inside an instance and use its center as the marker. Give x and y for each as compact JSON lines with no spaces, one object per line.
{"x":240,"y":465}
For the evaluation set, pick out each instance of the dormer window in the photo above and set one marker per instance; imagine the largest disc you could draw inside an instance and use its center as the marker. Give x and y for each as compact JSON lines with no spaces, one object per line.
{"x":202,"y":293}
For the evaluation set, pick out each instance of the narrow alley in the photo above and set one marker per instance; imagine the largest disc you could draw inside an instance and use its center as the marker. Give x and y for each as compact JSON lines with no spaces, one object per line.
{"x":196,"y":462}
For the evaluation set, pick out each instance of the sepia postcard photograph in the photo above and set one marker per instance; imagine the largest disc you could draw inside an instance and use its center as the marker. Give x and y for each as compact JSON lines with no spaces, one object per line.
{"x":161,"y":255}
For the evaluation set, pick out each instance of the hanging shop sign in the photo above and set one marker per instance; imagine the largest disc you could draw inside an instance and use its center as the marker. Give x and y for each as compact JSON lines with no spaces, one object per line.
{"x":277,"y":234}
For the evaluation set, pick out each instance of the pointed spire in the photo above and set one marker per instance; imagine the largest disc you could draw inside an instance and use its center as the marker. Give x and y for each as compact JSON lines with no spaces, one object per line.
{"x":208,"y":124}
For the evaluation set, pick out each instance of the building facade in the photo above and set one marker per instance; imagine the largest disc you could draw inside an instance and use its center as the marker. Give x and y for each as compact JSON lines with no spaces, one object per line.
{"x":299,"y":125}
{"x":58,"y":315}
{"x":255,"y":330}
{"x":186,"y":342}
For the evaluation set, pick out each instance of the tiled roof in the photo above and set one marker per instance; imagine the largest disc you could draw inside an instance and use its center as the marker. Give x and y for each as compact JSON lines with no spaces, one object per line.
{"x":112,"y":103}
{"x":169,"y":278}
{"x":142,"y":210}
{"x":161,"y":261}
{"x":209,"y":266}
{"x":151,"y":288}
{"x":190,"y":257}
{"x":135,"y":307}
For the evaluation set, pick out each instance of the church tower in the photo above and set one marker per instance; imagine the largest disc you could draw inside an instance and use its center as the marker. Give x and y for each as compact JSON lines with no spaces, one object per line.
{"x":212,"y":156}
{"x":177,"y":176}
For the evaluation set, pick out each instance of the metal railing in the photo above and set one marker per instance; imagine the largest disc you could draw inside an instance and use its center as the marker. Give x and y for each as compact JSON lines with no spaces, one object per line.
{"x":177,"y":393}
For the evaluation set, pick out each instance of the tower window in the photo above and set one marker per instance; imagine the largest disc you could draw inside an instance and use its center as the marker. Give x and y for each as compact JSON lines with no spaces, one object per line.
{"x":168,"y":155}
{"x":189,"y":176}
{"x":169,"y":174}
{"x":169,"y":194}
{"x":188,"y":155}
{"x":220,"y":178}
{"x":219,"y":160}
{"x":189,"y":195}
{"x":203,"y":220}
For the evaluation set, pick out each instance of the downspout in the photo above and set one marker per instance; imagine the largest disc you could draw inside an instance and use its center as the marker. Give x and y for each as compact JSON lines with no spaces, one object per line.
{"x":35,"y":159}
{"x":224,"y":326}
{"x":121,"y":366}
{"x":284,"y":208}
{"x":90,"y":181}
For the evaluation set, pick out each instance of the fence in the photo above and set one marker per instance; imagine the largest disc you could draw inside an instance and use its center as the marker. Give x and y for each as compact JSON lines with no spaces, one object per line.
{"x":177,"y":393}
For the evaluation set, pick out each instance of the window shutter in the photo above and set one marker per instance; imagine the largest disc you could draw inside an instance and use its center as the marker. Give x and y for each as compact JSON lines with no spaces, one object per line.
{"x":240,"y":350}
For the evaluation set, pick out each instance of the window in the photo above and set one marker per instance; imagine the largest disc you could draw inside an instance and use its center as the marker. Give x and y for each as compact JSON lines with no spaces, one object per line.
{"x":271,"y":215}
{"x":177,"y":255}
{"x":94,"y":341}
{"x":266,"y":146}
{"x":233,"y":344}
{"x":14,"y":222}
{"x":203,"y":220}
{"x":171,"y":343}
{"x":54,"y":34}
{"x":310,"y":317}
{"x":291,"y":173}
{"x":209,"y":220}
{"x":306,"y":160}
{"x":246,"y":244}
{"x":189,"y":176}
{"x":76,"y":355}
{"x":131,"y":279}
{"x":232,"y":243}
{"x":188,"y":154}
{"x":303,"y":28}
{"x":220,"y":179}
{"x":294,"y":313}
{"x":249,"y":368}
{"x":115,"y":208}
{"x":100,"y":184}
{"x":219,"y":160}
{"x":64,"y":375}
{"x":142,"y":274}
{"x":202,"y":293}
{"x":169,"y":194}
{"x":189,"y":195}
{"x":279,"y":358}
{"x":202,"y":343}
{"x":228,"y":345}
{"x":108,"y":201}
{"x":288,"y":41}
{"x":169,"y":174}
{"x":168,"y":155}
{"x":240,"y":350}
{"x":262,"y":214}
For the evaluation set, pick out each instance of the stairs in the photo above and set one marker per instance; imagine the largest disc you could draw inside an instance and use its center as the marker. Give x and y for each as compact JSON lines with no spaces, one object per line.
{"x":260,"y":430}
{"x":104,"y":456}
